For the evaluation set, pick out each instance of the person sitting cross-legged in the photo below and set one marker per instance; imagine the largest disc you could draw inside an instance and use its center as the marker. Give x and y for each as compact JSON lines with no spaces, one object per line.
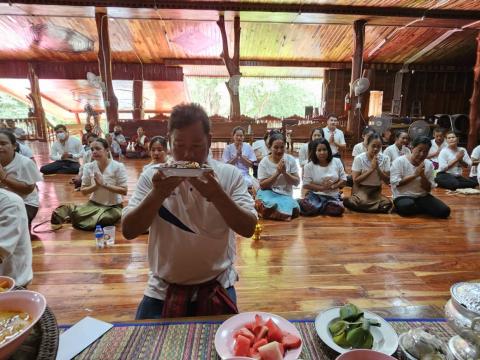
{"x":105,"y":180}
{"x":451,"y":162}
{"x":277,"y":173}
{"x":19,"y":174}
{"x":369,"y":170}
{"x":323,"y":177}
{"x":412,"y":179}
{"x":65,"y":153}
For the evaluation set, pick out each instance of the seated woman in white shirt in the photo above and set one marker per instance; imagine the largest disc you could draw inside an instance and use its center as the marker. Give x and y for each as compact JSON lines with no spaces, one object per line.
{"x":399,"y":148}
{"x":19,"y":174}
{"x":323,"y":176}
{"x":450,"y":163}
{"x":361,"y":147}
{"x":277,"y":173}
{"x":105,"y":180}
{"x":303,"y":155}
{"x":475,"y":161}
{"x":412,"y":179}
{"x":158,"y":151}
{"x":369,"y":170}
{"x":240,"y":155}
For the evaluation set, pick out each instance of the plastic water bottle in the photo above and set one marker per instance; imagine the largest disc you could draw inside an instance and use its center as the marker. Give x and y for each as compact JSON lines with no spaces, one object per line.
{"x":99,"y":237}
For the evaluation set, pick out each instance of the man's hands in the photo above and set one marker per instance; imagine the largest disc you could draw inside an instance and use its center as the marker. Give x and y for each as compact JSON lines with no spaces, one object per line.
{"x":164,"y":184}
{"x":207,"y":185}
{"x":420,"y":170}
{"x":66,"y":156}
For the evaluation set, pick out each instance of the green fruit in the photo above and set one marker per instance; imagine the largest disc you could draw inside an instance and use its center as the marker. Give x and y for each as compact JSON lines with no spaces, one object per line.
{"x":341,"y":340}
{"x":337,"y":327}
{"x":350,"y":312}
{"x":357,"y":337}
{"x":368,"y":342}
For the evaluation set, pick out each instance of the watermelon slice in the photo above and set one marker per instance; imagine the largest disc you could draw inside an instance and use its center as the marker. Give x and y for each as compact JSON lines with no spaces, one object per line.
{"x":290,"y":341}
{"x":245,"y":332}
{"x":274,"y":332}
{"x":242,"y":346}
{"x":271,"y":351}
{"x":261,"y":333}
{"x":259,"y":343}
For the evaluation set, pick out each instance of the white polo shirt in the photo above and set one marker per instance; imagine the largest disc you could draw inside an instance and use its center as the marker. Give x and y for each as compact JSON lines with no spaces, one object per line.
{"x":447,"y":155}
{"x":322,"y":175}
{"x":189,"y":241}
{"x":362,"y":164}
{"x":338,"y":138}
{"x":72,"y":146}
{"x":393,"y":152}
{"x":114,"y":174}
{"x":434,"y":148}
{"x":401,"y":168}
{"x":475,"y":155}
{"x":25,"y":170}
{"x":15,"y":244}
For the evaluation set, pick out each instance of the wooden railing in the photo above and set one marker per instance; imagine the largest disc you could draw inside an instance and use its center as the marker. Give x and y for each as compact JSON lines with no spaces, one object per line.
{"x":27,"y":124}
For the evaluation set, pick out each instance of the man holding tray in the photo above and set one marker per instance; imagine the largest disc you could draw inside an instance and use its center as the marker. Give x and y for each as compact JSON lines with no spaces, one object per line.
{"x":192,"y":220}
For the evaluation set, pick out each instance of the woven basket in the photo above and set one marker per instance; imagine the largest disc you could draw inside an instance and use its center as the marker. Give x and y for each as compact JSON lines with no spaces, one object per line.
{"x":42,"y":343}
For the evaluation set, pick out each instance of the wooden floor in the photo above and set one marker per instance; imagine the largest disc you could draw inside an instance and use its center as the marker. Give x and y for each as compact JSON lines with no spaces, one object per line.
{"x":298,"y":267}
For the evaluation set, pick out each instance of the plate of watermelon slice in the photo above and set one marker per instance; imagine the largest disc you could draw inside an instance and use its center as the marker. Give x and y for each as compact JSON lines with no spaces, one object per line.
{"x":259,"y":336}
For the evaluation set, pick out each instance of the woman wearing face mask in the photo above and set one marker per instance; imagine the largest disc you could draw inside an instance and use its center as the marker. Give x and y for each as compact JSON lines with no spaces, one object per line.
{"x":450,"y":163}
{"x":323,"y":177}
{"x":158,"y":151}
{"x":105,"y":180}
{"x":399,"y":148}
{"x":303,"y":155}
{"x":277,"y":173}
{"x":412,"y":179}
{"x":240,"y":155}
{"x":369,"y":170}
{"x":19,"y":174}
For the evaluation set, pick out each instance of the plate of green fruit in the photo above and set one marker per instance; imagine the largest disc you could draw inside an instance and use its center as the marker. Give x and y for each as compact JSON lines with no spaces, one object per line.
{"x":347,"y":327}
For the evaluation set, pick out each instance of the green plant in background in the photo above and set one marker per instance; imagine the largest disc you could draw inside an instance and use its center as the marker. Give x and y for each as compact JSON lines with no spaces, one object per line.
{"x":258,"y":97}
{"x":11,"y":108}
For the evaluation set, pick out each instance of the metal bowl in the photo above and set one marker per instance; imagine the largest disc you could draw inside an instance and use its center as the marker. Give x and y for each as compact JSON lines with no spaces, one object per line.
{"x":463,"y":314}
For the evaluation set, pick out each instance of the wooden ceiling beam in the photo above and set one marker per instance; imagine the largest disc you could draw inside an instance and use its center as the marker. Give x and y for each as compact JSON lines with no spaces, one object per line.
{"x":271,"y":7}
{"x":14,"y":69}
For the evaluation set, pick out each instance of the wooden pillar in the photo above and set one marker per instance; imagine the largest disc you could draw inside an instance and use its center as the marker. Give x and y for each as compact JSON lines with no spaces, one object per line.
{"x":105,"y":68}
{"x":36,"y":99}
{"x":357,"y":64}
{"x":138,"y":113}
{"x":233,"y":65}
{"x":475,"y":103}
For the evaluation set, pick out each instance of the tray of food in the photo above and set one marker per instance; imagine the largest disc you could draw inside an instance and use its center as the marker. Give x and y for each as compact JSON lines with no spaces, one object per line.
{"x":184,"y":169}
